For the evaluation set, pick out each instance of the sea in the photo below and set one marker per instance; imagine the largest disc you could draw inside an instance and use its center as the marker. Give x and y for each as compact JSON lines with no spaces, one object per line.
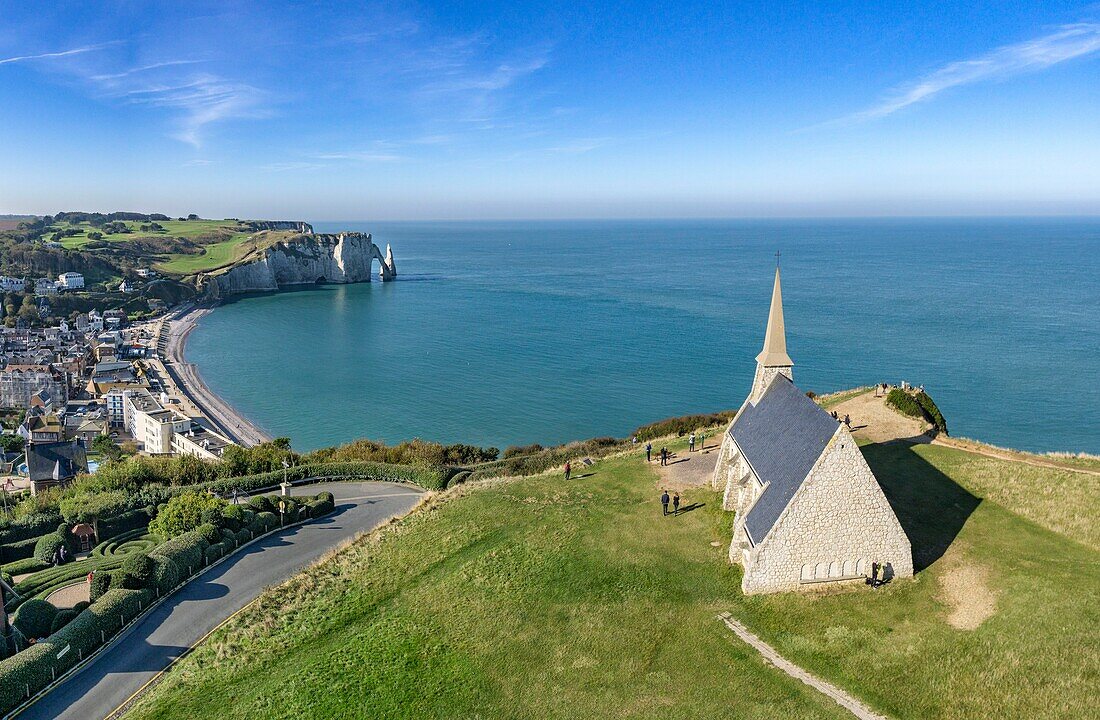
{"x":505,"y":333}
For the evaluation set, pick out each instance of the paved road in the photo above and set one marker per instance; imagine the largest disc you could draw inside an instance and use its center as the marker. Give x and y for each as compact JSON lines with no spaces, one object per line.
{"x":202,"y":604}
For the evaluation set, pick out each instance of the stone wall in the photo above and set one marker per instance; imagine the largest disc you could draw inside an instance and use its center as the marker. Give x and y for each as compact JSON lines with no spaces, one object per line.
{"x":763,"y":377}
{"x":835,"y":526}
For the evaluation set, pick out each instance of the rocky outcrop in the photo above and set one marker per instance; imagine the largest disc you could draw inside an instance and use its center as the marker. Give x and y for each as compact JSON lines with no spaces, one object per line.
{"x":294,"y":225}
{"x":302,"y":260}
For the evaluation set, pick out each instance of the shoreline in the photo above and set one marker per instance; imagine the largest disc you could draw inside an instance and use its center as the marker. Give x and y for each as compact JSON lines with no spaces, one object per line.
{"x":189,"y":384}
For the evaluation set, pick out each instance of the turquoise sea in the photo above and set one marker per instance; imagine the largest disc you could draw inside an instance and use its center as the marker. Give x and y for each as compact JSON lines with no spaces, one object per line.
{"x":500,"y":333}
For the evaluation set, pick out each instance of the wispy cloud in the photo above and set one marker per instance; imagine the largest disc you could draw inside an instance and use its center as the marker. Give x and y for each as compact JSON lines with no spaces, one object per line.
{"x":364,"y":156}
{"x":201,"y":100}
{"x":1065,"y":43}
{"x":60,"y":54}
{"x":144,"y":68}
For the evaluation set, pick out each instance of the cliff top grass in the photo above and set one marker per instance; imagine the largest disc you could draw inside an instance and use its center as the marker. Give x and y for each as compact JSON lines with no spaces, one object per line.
{"x":540,"y":598}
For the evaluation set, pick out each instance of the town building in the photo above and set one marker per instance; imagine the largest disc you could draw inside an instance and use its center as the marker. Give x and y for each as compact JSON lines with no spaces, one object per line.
{"x":162,"y":431}
{"x":808,"y":508}
{"x":18,"y":383}
{"x":70,"y":281}
{"x":54,"y":464}
{"x":13,"y":284}
{"x":45,"y":286}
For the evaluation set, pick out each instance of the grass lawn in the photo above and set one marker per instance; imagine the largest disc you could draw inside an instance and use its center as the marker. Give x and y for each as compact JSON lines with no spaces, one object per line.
{"x":215,"y":255}
{"x":544,"y":599}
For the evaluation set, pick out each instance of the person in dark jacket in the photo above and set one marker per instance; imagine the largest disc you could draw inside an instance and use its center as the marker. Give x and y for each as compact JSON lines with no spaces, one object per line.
{"x":567,"y":469}
{"x":675,"y":503}
{"x":664,"y":502}
{"x":649,"y":452}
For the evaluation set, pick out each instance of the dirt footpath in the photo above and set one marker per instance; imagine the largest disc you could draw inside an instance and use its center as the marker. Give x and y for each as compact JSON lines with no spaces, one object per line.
{"x":873,"y":420}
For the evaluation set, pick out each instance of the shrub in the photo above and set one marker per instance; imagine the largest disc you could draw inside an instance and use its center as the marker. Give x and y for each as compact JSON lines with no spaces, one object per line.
{"x":35,"y":618}
{"x":101,"y":583}
{"x":184,"y":513}
{"x":243,"y":537}
{"x":166,"y":574}
{"x":47,"y":546}
{"x":680,"y":426}
{"x":233,"y":517}
{"x":268,"y":520}
{"x":215,"y":552}
{"x":515,"y":450}
{"x":918,"y":405}
{"x":137,"y":570}
{"x":63,"y":618}
{"x":209,"y":533}
{"x":229,"y":537}
{"x":186,"y":551}
{"x":932,"y":411}
{"x":213,"y":518}
{"x":81,"y":606}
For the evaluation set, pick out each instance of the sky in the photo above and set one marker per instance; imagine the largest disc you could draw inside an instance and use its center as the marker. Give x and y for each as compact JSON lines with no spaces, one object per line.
{"x":361,"y":111}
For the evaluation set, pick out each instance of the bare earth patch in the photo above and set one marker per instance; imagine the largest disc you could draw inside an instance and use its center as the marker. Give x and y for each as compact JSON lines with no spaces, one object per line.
{"x":965,"y":591}
{"x":872,"y":419}
{"x":687,"y":469}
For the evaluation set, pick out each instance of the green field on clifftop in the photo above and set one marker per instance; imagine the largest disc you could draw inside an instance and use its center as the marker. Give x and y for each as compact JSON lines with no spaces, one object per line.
{"x":538,"y":598}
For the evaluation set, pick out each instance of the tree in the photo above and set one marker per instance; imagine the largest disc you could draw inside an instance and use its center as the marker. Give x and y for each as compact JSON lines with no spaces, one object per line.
{"x":11,"y":443}
{"x":107,"y":447}
{"x":95,"y":235}
{"x":183,"y":513}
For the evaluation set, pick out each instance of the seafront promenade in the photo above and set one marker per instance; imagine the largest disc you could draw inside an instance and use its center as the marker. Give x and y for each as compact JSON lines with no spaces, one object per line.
{"x":185,"y":382}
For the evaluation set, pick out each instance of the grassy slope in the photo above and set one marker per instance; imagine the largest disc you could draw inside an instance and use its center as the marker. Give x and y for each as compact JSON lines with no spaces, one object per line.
{"x":539,"y":599}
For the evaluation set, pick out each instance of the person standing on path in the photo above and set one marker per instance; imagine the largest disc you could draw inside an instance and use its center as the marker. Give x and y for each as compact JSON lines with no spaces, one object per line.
{"x":675,"y":503}
{"x":664,"y":456}
{"x":664,"y":502}
{"x":567,"y":469}
{"x":691,"y":442}
{"x":649,"y":452}
{"x":702,"y":440}
{"x":847,"y":422}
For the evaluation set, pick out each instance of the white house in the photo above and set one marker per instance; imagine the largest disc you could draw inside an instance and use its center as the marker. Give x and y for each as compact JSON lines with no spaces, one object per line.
{"x":70,"y":281}
{"x":808,"y":508}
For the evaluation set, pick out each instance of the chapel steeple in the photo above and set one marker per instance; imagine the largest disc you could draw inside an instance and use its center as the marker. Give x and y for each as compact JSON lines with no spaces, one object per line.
{"x":773,"y":359}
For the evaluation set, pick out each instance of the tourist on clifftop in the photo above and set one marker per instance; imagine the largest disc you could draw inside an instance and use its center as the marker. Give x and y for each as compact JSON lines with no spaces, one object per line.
{"x":664,"y":502}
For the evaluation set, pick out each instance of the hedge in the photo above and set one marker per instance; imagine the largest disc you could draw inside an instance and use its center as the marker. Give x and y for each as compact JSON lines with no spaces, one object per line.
{"x":24,"y":566}
{"x":244,"y":536}
{"x":29,"y":671}
{"x":63,"y":618}
{"x":215,"y":552}
{"x":680,"y":426}
{"x":101,"y":583}
{"x":185,"y":551}
{"x":31,"y":526}
{"x":127,"y":522}
{"x":547,"y":459}
{"x":918,"y":405}
{"x":166,"y":574}
{"x":19,"y":550}
{"x":431,"y":478}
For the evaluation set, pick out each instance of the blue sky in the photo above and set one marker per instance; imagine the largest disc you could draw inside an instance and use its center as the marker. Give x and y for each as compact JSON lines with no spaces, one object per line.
{"x":546,"y":110}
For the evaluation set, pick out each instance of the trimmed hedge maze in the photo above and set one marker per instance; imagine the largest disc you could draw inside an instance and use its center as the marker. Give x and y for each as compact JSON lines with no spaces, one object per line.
{"x":74,"y":635}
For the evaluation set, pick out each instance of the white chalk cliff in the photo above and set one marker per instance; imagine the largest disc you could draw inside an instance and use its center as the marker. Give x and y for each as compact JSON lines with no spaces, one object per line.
{"x":304,"y":259}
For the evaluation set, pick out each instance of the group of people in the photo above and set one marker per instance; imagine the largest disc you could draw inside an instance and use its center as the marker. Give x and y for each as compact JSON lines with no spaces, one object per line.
{"x":675,"y":502}
{"x":846,"y":419}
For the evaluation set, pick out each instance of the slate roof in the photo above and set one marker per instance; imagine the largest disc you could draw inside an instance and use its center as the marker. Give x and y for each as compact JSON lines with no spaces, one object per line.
{"x":55,"y":461}
{"x":782,"y":436}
